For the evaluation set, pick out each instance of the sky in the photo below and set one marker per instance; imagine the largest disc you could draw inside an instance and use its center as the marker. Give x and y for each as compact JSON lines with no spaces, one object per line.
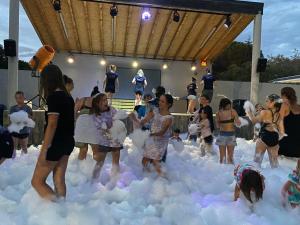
{"x":280,"y":29}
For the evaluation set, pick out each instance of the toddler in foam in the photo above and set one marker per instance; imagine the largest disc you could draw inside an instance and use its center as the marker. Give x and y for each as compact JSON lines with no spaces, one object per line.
{"x":291,"y":190}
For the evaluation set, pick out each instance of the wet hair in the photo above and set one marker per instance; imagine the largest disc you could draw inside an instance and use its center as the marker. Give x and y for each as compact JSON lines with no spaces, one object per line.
{"x":95,"y":91}
{"x":204,"y":110}
{"x":252,"y":181}
{"x":51,"y":79}
{"x":138,"y":93}
{"x":169,"y":99}
{"x":95,"y":104}
{"x":290,"y":94}
{"x":223,"y":103}
{"x":19,"y":93}
{"x":277,"y":101}
{"x":160,"y":90}
{"x":177,"y":131}
{"x":67,"y":80}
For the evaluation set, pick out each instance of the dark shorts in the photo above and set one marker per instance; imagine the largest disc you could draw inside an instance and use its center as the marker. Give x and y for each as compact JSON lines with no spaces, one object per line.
{"x":103,"y":148}
{"x":20,"y":136}
{"x":60,"y":148}
{"x":110,"y":90}
{"x":6,"y":146}
{"x":208,"y":140}
{"x":270,"y":138}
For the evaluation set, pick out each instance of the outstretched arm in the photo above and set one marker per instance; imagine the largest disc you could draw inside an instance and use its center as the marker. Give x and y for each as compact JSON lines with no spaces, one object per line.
{"x":117,"y":85}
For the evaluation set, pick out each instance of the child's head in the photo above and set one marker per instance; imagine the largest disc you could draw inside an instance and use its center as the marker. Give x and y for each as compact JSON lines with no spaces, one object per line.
{"x":147,"y":98}
{"x":176,"y":133}
{"x":99,"y":104}
{"x":19,"y":96}
{"x":273,"y":101}
{"x":204,"y":113}
{"x":138,"y":95}
{"x":225,"y":104}
{"x":258,"y":107}
{"x":252,"y":182}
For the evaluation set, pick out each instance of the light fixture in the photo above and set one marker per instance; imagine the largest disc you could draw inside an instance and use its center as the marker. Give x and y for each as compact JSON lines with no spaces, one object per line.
{"x":135,"y":64}
{"x":146,"y":15}
{"x":227,"y":23}
{"x":56,"y":5}
{"x":176,"y":16}
{"x":70,"y":59}
{"x":193,"y":67}
{"x":165,"y":66}
{"x":114,"y":10}
{"x":203,"y":63}
{"x":103,"y":62}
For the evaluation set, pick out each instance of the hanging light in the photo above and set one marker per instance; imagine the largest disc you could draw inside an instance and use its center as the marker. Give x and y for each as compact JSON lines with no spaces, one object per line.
{"x":70,"y":59}
{"x":103,"y":62}
{"x":135,"y":64}
{"x":165,"y":66}
{"x":193,"y":67}
{"x":114,"y":10}
{"x":146,"y":15}
{"x":176,"y":16}
{"x":228,"y":22}
{"x":56,"y":5}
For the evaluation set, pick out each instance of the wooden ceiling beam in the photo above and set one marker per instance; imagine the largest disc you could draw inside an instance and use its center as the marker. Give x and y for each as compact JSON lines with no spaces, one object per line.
{"x":163,"y":34}
{"x":129,"y":13}
{"x":101,"y":28}
{"x":138,"y":38}
{"x":177,"y":31}
{"x":187,"y":34}
{"x":74,"y":25}
{"x":87,"y":22}
{"x":150,"y":38}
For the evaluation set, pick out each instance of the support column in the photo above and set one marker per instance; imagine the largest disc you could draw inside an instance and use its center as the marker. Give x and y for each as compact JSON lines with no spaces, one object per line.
{"x":12,"y":86}
{"x":255,"y":55}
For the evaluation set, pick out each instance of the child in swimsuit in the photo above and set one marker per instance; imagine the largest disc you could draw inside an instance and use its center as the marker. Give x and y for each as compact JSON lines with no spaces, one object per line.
{"x":291,"y":189}
{"x":206,"y":134}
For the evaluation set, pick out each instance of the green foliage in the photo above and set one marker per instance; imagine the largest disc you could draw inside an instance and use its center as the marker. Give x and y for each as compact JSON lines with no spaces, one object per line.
{"x":4,"y":62}
{"x":235,"y":64}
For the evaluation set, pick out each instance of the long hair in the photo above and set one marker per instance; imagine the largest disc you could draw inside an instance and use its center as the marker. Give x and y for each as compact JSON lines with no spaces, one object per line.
{"x":277,"y":101}
{"x":51,"y":79}
{"x":252,"y":181}
{"x":169,"y":99}
{"x":95,"y":104}
{"x":290,"y":94}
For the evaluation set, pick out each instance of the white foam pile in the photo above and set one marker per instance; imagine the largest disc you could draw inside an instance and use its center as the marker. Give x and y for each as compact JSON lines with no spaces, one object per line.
{"x":19,"y":120}
{"x":199,"y":191}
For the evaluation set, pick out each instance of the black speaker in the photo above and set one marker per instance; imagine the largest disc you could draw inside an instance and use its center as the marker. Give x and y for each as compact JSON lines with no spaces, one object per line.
{"x":10,"y":47}
{"x":261,"y":65}
{"x":238,"y":105}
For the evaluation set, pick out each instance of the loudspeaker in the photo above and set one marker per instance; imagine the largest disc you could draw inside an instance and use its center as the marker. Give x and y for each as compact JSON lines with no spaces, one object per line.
{"x":238,"y":105}
{"x":10,"y":47}
{"x":261,"y":65}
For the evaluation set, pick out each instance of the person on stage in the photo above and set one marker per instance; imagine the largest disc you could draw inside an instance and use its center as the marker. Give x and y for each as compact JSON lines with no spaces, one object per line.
{"x":140,"y":83}
{"x":290,"y":112}
{"x":226,"y":119}
{"x":111,"y":83}
{"x":192,"y":96}
{"x":58,"y":140}
{"x":208,"y":82}
{"x":270,"y":130}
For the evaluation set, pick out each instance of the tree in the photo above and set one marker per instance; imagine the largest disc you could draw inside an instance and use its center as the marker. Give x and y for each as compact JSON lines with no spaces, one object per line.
{"x":4,"y":61}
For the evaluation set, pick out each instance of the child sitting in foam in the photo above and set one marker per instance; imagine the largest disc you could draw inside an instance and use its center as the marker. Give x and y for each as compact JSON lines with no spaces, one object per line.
{"x":176,"y":141}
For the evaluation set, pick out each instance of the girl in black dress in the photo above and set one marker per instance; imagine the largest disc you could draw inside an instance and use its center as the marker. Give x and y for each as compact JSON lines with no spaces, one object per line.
{"x":58,"y":140}
{"x":290,"y":112}
{"x":111,"y":83}
{"x":192,"y":96}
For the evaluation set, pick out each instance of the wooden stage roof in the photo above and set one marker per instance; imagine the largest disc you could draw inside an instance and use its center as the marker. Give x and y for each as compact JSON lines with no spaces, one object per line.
{"x":199,"y":35}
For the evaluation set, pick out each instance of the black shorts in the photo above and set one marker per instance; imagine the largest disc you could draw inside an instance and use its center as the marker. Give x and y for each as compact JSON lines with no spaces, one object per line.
{"x":102,"y":148}
{"x":208,"y":140}
{"x":110,"y":90}
{"x":20,"y":136}
{"x":6,"y":146}
{"x":60,"y":148}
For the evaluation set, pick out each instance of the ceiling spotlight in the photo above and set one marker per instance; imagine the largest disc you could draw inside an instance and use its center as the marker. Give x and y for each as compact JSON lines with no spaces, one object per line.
{"x":227,"y":23}
{"x":135,"y":64}
{"x":146,"y":15}
{"x":70,"y":59}
{"x":165,"y":66}
{"x":176,"y":16}
{"x":56,"y":5}
{"x":193,"y":67}
{"x":114,"y":10}
{"x":102,"y":62}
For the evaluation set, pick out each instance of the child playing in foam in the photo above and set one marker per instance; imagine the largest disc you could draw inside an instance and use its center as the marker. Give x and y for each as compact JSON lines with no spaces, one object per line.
{"x":250,"y":182}
{"x":291,"y":190}
{"x":206,"y":134}
{"x":176,"y":141}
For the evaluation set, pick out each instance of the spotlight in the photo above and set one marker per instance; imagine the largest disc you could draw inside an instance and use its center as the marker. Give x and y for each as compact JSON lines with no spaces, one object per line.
{"x":102,"y":62}
{"x":146,"y":15}
{"x":70,"y":59}
{"x":114,"y":10}
{"x":135,"y":64}
{"x":227,"y":23}
{"x":193,"y":67}
{"x":165,"y":66}
{"x":176,"y":16}
{"x":56,"y":5}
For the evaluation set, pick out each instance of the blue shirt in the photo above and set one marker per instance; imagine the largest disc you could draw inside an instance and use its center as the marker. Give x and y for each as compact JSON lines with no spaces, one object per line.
{"x":209,"y":80}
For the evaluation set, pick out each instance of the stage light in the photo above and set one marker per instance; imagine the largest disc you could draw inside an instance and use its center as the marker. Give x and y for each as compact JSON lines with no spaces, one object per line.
{"x":193,"y":67}
{"x":176,"y":16}
{"x":114,"y":10}
{"x":146,"y":15}
{"x":227,"y":23}
{"x":102,"y":62}
{"x":56,"y":5}
{"x":70,"y":59}
{"x":165,"y":66}
{"x":135,"y":64}
{"x":203,"y":63}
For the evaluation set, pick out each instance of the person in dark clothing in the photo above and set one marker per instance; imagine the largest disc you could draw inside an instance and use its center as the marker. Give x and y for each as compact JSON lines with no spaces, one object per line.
{"x":95,"y":91}
{"x":208,"y":81}
{"x":159,"y":91}
{"x":6,"y":145}
{"x":140,"y":83}
{"x":111,"y":83}
{"x":192,"y":95}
